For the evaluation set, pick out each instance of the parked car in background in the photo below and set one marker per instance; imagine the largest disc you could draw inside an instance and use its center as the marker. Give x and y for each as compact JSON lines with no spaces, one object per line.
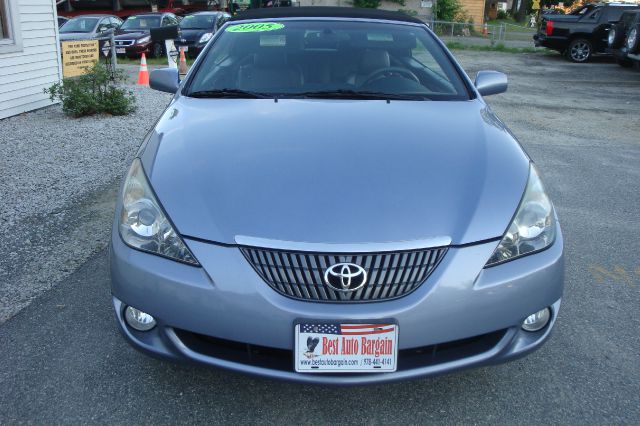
{"x":197,"y":29}
{"x":581,"y":33}
{"x":62,"y":20}
{"x":89,"y":27}
{"x":618,"y":37}
{"x":133,"y":38}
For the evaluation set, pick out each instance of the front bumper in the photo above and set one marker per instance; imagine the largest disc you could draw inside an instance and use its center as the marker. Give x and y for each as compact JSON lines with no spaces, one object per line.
{"x":224,"y":315}
{"x":550,"y":42}
{"x":136,"y":50}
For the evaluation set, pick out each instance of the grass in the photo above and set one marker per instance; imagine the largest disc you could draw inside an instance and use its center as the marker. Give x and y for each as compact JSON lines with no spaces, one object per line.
{"x":499,"y":47}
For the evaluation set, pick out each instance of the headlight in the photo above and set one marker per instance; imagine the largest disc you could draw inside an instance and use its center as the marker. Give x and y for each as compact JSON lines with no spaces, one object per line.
{"x":612,"y":36}
{"x":533,"y":227}
{"x":143,"y":224}
{"x":143,"y":40}
{"x":205,"y":37}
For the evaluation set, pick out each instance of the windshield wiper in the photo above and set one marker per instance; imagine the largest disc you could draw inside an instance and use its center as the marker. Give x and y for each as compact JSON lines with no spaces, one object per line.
{"x":354,"y":94}
{"x":227,"y":93}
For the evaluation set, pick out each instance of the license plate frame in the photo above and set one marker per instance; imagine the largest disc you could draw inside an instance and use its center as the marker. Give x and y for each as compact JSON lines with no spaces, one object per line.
{"x":352,"y":350}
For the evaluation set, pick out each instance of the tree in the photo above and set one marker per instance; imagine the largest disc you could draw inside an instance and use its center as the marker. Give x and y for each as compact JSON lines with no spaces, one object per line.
{"x":448,"y":10}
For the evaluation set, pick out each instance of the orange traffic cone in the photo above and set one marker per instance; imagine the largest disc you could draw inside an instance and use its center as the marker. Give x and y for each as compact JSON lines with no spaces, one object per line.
{"x":143,"y":74}
{"x":182,"y":67}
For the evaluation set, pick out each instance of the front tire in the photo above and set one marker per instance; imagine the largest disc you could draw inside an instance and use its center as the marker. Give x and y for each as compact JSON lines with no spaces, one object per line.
{"x":579,"y":50}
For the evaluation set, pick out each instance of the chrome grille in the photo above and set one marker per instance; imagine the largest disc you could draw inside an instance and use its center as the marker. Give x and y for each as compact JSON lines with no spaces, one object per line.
{"x":300,"y":275}
{"x":123,"y":43}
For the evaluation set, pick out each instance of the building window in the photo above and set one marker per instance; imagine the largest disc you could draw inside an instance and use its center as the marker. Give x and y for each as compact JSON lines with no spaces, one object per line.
{"x":4,"y":27}
{"x":10,"y":40}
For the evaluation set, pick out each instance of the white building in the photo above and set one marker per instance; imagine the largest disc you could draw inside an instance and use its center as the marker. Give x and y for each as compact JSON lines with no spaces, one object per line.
{"x":29,"y":54}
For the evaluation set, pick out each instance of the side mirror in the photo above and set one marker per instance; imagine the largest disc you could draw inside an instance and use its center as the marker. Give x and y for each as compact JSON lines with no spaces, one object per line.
{"x":491,"y":82}
{"x":164,"y":80}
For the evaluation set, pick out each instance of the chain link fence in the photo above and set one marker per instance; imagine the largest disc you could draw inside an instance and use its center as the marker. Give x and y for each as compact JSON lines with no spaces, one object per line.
{"x":470,"y":34}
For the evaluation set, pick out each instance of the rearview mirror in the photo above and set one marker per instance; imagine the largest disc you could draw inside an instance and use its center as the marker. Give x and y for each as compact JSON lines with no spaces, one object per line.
{"x":164,"y":80}
{"x":491,"y":82}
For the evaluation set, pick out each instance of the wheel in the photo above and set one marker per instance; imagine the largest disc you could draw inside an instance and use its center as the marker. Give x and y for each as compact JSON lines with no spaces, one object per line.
{"x":616,"y":37}
{"x":579,"y":50}
{"x":156,"y":50}
{"x":626,"y":63}
{"x":633,"y":40}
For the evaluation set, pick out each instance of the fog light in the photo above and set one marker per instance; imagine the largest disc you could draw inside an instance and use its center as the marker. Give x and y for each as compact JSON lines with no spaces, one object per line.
{"x":139,"y":320}
{"x":537,"y":321}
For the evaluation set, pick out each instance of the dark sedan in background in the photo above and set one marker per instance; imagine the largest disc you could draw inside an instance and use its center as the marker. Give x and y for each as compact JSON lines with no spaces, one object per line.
{"x":134,"y":36}
{"x":197,"y":29}
{"x":89,"y":27}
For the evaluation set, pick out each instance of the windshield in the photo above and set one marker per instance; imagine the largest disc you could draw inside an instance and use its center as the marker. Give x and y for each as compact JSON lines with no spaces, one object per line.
{"x":141,"y":23}
{"x":330,"y":59}
{"x":79,"y":25}
{"x":193,"y":22}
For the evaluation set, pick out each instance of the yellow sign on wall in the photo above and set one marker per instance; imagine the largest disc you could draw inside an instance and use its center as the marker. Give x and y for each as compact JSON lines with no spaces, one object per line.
{"x":535,"y":5}
{"x":78,"y":56}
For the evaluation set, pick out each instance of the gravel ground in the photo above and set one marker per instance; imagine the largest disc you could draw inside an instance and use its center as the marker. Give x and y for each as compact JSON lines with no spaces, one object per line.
{"x":49,"y":164}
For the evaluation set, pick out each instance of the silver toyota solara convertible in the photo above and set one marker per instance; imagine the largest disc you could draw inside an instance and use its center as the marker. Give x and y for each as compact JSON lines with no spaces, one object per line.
{"x":329,"y":199}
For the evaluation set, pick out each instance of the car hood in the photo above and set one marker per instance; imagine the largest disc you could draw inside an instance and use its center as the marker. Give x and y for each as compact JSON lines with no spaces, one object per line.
{"x":335,"y":171}
{"x":193,"y":35}
{"x":130,"y":35}
{"x":76,"y":36}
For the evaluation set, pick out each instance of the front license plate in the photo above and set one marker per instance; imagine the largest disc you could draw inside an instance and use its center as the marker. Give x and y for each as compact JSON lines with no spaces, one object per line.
{"x":120,"y":50}
{"x":346,"y":348}
{"x":185,"y":48}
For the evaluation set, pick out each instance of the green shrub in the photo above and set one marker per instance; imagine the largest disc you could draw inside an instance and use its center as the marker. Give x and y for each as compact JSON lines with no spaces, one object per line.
{"x":374,"y":4}
{"x":502,"y":14}
{"x":450,"y":11}
{"x":93,"y":93}
{"x":371,"y":4}
{"x":409,"y":12}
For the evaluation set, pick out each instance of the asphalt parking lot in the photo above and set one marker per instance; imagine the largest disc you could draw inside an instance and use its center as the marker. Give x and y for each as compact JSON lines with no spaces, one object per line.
{"x":63,"y":360}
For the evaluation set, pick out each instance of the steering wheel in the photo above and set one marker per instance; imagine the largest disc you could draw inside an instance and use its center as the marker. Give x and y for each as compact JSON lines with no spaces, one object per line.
{"x":389,"y":71}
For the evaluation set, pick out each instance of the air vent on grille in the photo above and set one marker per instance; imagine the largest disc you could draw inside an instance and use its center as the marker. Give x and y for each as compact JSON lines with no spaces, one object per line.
{"x":301,"y":274}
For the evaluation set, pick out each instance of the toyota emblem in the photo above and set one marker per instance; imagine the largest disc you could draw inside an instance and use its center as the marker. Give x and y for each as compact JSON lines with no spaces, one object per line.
{"x":345,"y":277}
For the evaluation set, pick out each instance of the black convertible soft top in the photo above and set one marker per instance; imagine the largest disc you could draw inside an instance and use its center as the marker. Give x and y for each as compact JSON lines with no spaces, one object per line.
{"x":323,"y":12}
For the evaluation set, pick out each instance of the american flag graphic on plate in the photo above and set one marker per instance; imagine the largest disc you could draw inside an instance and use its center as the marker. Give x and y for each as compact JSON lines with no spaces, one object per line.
{"x":333,"y":347}
{"x":347,"y":329}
